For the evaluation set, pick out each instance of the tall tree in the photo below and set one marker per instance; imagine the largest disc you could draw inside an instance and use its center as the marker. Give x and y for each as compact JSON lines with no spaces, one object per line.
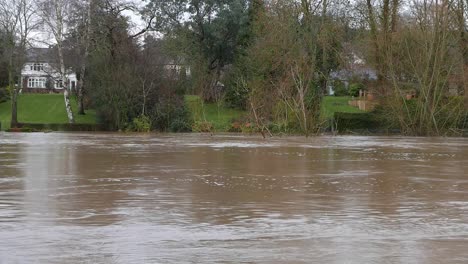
{"x":382,"y":20}
{"x":81,"y":27}
{"x":17,"y":21}
{"x":212,"y":32}
{"x":56,"y":14}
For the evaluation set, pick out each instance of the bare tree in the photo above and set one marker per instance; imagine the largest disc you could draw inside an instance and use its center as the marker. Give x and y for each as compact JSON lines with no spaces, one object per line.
{"x":426,"y":50}
{"x":382,"y":20}
{"x":17,"y":21}
{"x":55,"y":14}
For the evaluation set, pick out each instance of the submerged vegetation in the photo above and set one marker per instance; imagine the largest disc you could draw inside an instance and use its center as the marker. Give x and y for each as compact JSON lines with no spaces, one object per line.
{"x":276,"y":66}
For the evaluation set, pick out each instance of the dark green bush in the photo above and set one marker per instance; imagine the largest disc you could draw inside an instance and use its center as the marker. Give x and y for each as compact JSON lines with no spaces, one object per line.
{"x":339,"y":87}
{"x":180,"y":125}
{"x":354,"y":89}
{"x":4,"y":94}
{"x":236,"y":96}
{"x":355,"y":121}
{"x":140,"y":124}
{"x":174,"y":117}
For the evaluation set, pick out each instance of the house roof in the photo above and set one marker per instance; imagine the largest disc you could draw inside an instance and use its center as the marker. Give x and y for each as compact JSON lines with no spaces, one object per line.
{"x":347,"y":74}
{"x":41,"y":55}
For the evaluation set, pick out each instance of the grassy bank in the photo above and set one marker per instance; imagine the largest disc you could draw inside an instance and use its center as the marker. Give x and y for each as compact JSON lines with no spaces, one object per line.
{"x":50,"y":109}
{"x":332,"y":104}
{"x":218,"y":115}
{"x":43,"y":108}
{"x":222,"y":117}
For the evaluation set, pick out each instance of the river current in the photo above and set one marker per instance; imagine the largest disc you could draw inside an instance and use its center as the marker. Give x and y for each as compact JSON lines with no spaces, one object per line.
{"x":191,"y":198}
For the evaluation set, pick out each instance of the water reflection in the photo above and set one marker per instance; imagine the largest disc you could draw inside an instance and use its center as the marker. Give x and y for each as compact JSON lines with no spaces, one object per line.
{"x":113,"y":198}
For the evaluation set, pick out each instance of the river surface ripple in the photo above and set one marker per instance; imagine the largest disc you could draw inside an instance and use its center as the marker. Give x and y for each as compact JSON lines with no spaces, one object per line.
{"x":127,"y":198}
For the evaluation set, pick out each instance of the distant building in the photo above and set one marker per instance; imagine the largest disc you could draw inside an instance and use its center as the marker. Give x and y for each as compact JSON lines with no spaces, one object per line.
{"x":40,"y":73}
{"x":357,"y":69}
{"x":174,"y":69}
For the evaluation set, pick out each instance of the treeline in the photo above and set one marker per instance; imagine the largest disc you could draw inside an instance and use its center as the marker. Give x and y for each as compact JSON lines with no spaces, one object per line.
{"x":276,"y":59}
{"x":126,"y":78}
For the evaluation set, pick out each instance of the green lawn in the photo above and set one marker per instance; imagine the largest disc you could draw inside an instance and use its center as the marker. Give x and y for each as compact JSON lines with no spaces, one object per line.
{"x":332,"y":104}
{"x":43,"y":108}
{"x":221,"y":117}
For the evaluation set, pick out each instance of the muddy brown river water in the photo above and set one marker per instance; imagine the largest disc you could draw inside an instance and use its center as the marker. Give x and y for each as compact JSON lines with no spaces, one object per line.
{"x":116,"y":198}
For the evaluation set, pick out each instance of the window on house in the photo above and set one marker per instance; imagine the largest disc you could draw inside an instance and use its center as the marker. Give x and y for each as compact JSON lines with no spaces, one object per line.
{"x":58,"y":84}
{"x":37,"y":67}
{"x":37,"y":82}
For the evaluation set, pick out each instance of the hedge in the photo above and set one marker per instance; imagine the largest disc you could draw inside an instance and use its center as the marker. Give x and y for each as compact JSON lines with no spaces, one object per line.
{"x":346,"y":122}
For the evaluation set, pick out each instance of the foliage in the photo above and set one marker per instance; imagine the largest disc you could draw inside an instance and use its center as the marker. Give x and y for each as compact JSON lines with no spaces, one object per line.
{"x":237,"y":94}
{"x":170,"y":114}
{"x":339,"y":88}
{"x":4,"y":94}
{"x":354,"y":89}
{"x":424,"y":55}
{"x":180,"y":125}
{"x":256,"y":66}
{"x":292,"y":51}
{"x":140,"y":124}
{"x":355,"y":121}
{"x":409,"y":118}
{"x":209,"y":34}
{"x":202,"y":126}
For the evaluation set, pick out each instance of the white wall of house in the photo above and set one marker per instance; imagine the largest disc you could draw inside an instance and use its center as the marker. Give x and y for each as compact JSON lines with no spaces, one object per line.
{"x":38,"y":73}
{"x":176,"y":69}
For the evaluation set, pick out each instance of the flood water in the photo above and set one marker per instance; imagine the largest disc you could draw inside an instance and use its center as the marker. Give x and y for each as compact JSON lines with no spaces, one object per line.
{"x":116,"y":198}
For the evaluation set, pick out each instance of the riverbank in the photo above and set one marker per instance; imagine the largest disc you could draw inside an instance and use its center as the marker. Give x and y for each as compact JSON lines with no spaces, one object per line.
{"x":216,"y":117}
{"x":39,"y":112}
{"x":46,"y":112}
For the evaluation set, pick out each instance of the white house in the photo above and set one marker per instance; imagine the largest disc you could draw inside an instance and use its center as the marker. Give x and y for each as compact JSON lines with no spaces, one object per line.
{"x":40,"y":74}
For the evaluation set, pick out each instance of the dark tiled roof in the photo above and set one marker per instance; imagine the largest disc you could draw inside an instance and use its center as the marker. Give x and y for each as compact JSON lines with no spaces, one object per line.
{"x":41,"y":55}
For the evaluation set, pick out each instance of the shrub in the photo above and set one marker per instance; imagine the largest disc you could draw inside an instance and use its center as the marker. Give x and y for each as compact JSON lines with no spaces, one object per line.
{"x":235,"y":127}
{"x":236,"y":96}
{"x":4,"y":94}
{"x":141,"y":124}
{"x":354,"y":89}
{"x":202,"y":126}
{"x":355,"y":121}
{"x":248,"y":128}
{"x":180,"y":120}
{"x":180,"y":125}
{"x":340,"y":88}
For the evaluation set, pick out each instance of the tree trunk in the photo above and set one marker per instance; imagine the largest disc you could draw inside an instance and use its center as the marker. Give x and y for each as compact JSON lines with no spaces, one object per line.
{"x":81,"y":86}
{"x":463,"y":48}
{"x":64,"y":85}
{"x":66,"y":96}
{"x":59,"y":35}
{"x":81,"y":108}
{"x":373,"y":31}
{"x":14,"y":95}
{"x":395,"y":7}
{"x":14,"y":105}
